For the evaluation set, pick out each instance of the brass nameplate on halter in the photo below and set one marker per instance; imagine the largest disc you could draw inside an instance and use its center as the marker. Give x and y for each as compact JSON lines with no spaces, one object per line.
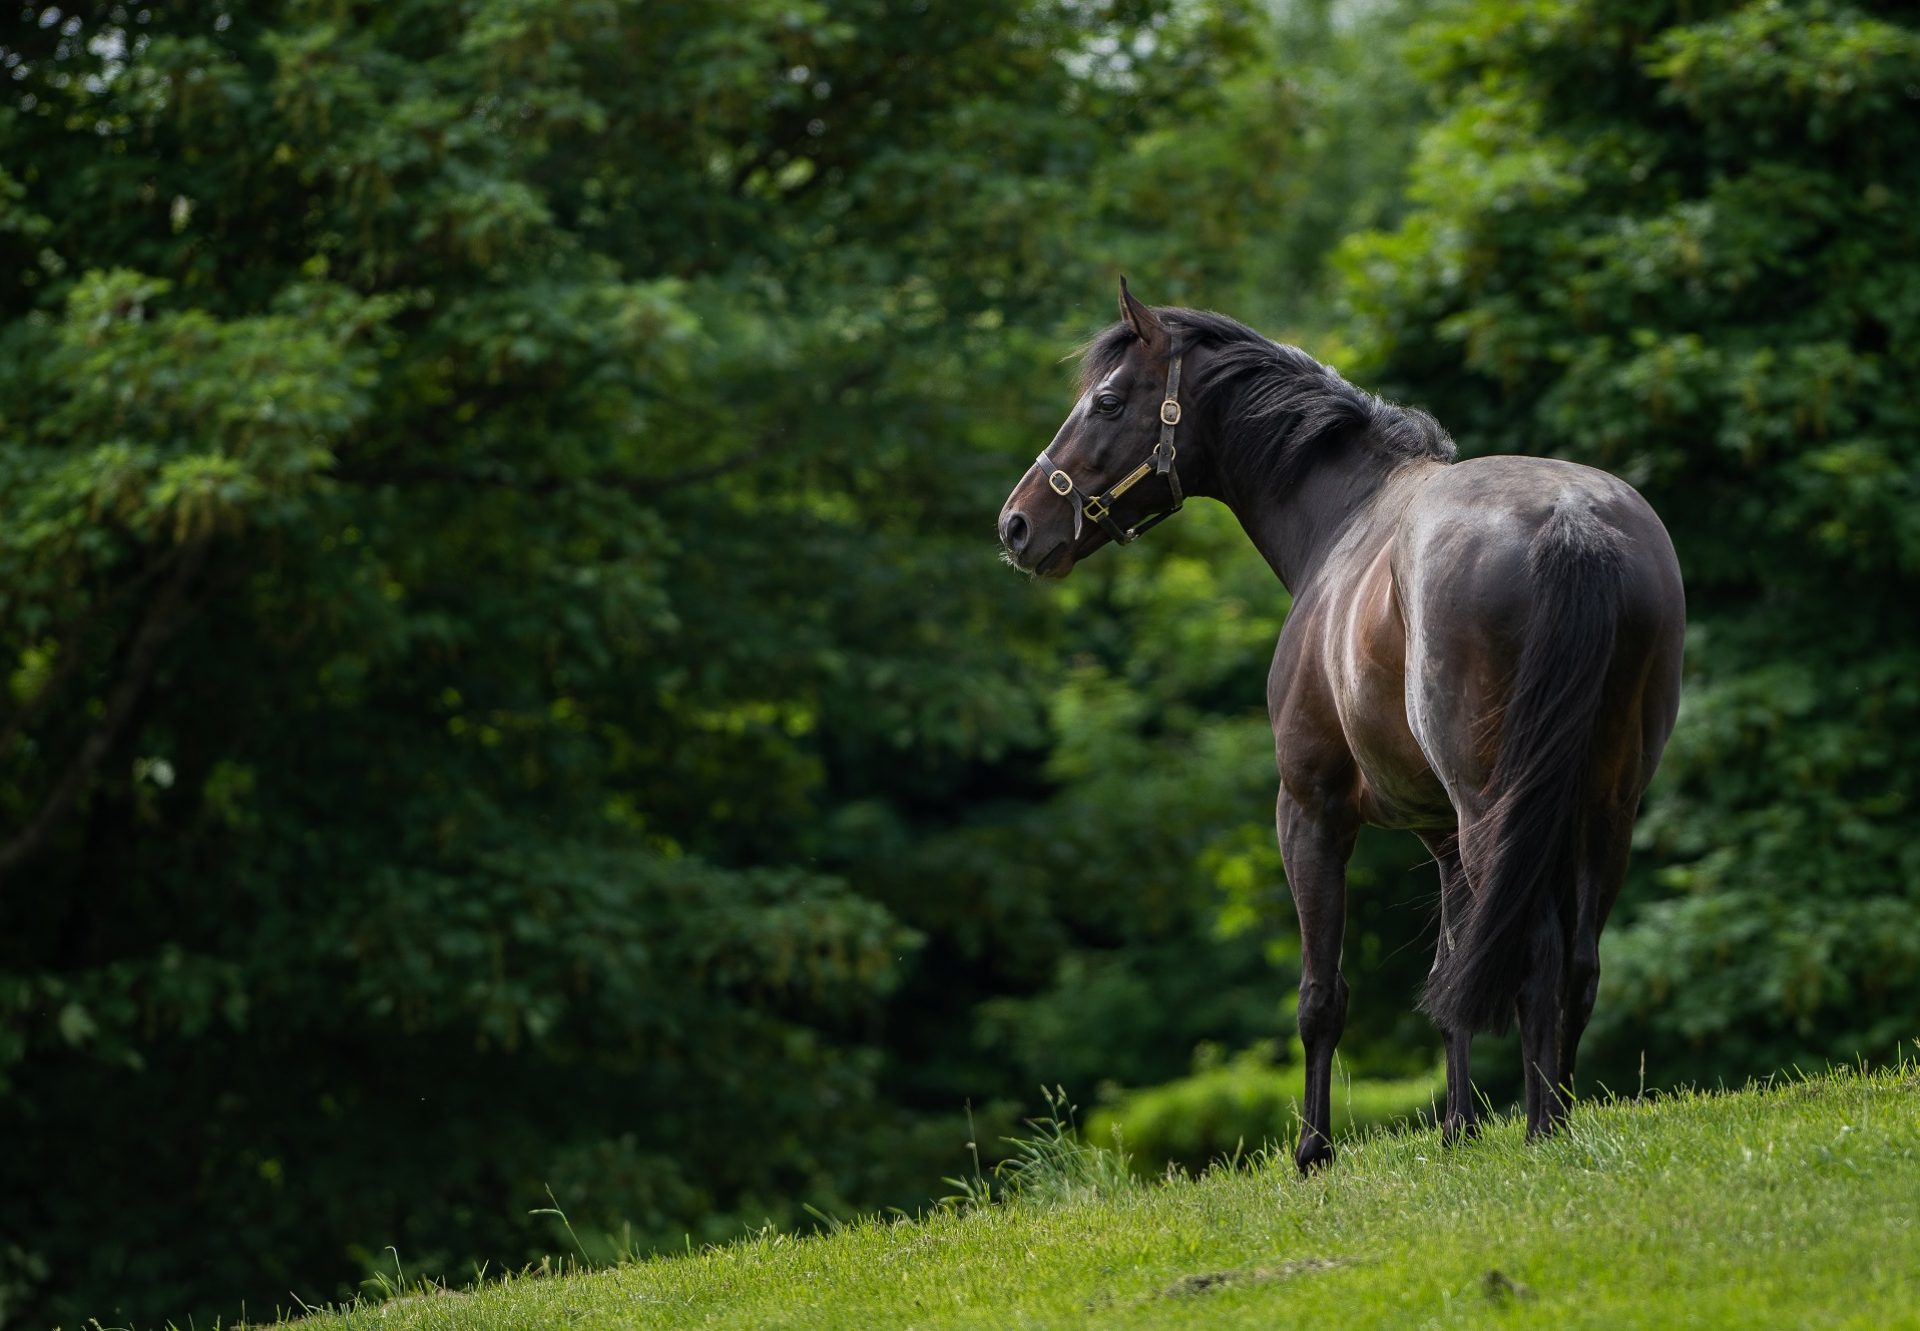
{"x":1132,"y":480}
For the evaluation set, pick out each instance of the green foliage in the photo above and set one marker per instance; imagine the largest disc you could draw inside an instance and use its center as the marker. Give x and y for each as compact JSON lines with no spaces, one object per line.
{"x":1676,"y":242}
{"x":507,"y":699}
{"x":1234,"y":1108}
{"x":505,"y":682}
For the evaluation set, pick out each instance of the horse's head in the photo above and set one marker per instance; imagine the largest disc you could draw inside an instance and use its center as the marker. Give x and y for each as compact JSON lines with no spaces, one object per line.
{"x":1109,"y":473}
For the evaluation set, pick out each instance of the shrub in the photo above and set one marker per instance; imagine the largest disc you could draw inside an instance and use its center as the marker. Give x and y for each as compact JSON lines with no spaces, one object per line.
{"x":1226,"y":1109}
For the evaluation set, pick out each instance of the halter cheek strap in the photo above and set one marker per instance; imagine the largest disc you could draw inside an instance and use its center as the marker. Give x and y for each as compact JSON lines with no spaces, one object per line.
{"x":1099,"y":508}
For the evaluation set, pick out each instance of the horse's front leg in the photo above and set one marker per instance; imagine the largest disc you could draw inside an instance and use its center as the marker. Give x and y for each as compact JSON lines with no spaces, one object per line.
{"x":1315,"y":841}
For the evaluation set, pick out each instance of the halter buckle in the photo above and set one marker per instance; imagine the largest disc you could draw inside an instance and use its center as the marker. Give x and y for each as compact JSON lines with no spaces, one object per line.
{"x":1170,"y":412}
{"x":1060,"y":483}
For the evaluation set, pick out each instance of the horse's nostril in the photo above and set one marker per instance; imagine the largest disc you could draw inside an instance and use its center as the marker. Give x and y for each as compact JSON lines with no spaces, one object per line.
{"x":1014,"y":532}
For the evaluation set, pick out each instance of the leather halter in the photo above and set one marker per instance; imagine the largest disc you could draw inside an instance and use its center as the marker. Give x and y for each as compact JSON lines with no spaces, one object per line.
{"x":1159,"y":462}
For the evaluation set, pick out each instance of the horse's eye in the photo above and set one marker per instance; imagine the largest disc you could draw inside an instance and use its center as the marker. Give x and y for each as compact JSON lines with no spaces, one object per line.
{"x":1106,"y":404}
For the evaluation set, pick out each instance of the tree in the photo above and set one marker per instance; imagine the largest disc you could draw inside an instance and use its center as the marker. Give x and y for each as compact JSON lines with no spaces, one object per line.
{"x":506,"y":672}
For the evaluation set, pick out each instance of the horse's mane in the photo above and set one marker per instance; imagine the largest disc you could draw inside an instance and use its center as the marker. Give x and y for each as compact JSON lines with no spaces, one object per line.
{"x":1272,"y":404}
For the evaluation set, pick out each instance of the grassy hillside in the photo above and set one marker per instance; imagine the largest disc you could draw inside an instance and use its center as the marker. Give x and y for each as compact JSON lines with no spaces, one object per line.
{"x":1795,"y":1205}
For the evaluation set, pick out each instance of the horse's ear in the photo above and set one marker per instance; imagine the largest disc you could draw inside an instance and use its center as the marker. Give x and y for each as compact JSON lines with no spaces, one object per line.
{"x":1144,"y":322}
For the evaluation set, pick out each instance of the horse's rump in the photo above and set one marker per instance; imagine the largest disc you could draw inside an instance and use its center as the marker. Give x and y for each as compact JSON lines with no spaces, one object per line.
{"x":1521,"y":851}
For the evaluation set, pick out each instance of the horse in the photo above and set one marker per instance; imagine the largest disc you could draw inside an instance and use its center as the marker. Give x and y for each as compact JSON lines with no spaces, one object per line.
{"x":1486,"y":653}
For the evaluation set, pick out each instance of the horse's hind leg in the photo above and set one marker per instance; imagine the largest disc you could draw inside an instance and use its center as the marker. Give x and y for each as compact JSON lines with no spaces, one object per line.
{"x":1462,"y":1118}
{"x":1314,"y":846}
{"x":1542,"y":1008}
{"x":1602,"y":871}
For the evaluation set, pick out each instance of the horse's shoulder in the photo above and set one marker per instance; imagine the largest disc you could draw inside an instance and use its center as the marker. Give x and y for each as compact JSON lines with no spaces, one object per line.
{"x":1301,"y":700}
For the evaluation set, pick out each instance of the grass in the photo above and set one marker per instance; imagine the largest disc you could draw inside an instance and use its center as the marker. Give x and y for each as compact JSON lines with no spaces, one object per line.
{"x":1790,"y":1205}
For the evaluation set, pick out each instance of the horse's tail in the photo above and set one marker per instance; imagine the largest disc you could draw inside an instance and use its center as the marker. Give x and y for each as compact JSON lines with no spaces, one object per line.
{"x":1521,"y":856}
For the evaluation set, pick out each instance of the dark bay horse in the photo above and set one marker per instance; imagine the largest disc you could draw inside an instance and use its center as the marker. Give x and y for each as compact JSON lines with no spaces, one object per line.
{"x":1486,"y":653}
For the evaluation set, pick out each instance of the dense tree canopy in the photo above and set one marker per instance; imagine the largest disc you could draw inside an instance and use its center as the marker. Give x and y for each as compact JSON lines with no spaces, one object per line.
{"x":509,"y":685}
{"x":508,"y":688}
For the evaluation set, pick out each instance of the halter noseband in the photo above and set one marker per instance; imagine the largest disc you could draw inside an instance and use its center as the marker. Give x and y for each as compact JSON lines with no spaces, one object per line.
{"x":1159,"y":461}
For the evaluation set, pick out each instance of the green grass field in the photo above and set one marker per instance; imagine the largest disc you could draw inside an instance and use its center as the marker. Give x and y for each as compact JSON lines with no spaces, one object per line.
{"x":1795,"y":1205}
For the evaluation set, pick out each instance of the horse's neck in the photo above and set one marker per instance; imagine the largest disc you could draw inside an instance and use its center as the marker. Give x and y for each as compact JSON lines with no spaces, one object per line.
{"x":1297,"y":528}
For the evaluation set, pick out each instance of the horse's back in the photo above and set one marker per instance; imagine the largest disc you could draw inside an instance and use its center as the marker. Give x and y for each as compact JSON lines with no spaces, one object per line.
{"x":1470,"y":529}
{"x":1467,"y":557}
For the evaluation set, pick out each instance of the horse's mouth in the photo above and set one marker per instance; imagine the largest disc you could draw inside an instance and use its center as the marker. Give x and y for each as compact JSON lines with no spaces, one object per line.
{"x":1057,"y":564}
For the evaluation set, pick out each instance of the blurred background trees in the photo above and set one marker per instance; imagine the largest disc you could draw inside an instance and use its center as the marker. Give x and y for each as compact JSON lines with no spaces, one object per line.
{"x":508,"y":683}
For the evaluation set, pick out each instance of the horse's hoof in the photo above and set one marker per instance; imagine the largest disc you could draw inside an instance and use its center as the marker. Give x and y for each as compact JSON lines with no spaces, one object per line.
{"x":1315,"y":1151}
{"x":1456,"y":1129}
{"x":1547,"y":1122}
